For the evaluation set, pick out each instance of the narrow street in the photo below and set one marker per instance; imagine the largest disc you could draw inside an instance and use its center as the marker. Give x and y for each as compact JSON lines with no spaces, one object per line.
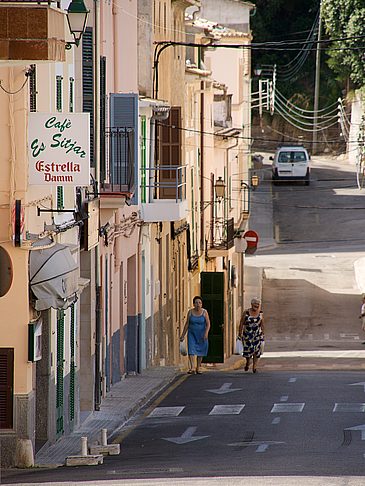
{"x":300,"y":419}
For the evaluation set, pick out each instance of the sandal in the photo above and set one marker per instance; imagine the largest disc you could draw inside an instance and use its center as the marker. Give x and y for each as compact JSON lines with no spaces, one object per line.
{"x":191,"y":372}
{"x":199,"y":372}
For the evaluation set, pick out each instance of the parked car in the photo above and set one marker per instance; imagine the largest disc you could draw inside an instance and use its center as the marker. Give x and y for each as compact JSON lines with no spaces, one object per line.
{"x":291,"y":162}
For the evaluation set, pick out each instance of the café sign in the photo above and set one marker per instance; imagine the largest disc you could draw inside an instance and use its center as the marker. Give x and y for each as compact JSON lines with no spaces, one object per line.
{"x":59,"y":149}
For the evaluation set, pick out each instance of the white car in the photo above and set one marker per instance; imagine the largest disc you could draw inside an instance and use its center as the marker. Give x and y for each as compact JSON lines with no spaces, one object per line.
{"x":291,"y":162}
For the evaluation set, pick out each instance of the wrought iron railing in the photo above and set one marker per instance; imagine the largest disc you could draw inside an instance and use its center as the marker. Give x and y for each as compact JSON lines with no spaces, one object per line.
{"x":117,"y":162}
{"x":222,"y":234}
{"x":163,"y":182}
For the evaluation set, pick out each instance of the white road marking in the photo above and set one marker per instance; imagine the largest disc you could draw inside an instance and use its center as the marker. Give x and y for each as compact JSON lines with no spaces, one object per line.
{"x":227,"y":409}
{"x":262,"y":448}
{"x":359,"y":427}
{"x":287,"y":407}
{"x":327,"y":337}
{"x":349,"y":353}
{"x":166,"y":412}
{"x":362,"y":383}
{"x":186,"y":437}
{"x":349,"y":407}
{"x":351,"y":336}
{"x":276,"y":421}
{"x":284,"y":398}
{"x":292,"y":380}
{"x":225,"y":388}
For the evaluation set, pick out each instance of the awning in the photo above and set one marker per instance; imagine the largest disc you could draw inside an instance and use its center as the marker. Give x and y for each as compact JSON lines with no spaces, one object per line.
{"x":53,"y":276}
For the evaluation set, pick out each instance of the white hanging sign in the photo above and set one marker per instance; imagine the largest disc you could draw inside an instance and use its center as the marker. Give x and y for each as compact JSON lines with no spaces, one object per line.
{"x":59,"y":149}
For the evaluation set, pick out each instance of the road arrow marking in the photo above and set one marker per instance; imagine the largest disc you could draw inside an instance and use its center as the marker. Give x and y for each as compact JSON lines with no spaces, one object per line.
{"x":225,"y":388}
{"x":227,"y":409}
{"x":362,"y":383}
{"x":186,"y":437}
{"x":359,"y":427}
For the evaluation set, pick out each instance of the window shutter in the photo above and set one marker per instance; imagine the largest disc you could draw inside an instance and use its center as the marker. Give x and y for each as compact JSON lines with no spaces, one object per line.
{"x":88,"y":84}
{"x":59,"y":371}
{"x":102,"y":116}
{"x":60,"y":198}
{"x":124,"y":120}
{"x":71,"y":94}
{"x":6,"y":387}
{"x":33,"y":89}
{"x":72,"y":365}
{"x":59,"y":80}
{"x":170,"y":140}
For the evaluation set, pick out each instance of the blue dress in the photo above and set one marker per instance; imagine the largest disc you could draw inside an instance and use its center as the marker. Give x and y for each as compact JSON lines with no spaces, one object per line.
{"x":197,"y":345}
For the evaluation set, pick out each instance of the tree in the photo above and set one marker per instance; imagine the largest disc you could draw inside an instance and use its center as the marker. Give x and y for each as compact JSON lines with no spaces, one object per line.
{"x":345,"y":18}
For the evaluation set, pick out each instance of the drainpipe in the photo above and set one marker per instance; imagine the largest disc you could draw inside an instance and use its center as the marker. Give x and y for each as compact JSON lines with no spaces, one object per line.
{"x":98,"y":320}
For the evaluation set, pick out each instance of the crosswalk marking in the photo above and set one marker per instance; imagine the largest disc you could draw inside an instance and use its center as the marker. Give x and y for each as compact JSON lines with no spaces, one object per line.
{"x":227,"y":409}
{"x":166,"y":412}
{"x":276,"y":421}
{"x":287,"y":407}
{"x":349,"y":407}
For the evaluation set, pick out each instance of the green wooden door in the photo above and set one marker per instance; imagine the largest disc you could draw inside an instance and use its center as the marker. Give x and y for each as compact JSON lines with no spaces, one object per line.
{"x":212,"y":293}
{"x":59,"y":372}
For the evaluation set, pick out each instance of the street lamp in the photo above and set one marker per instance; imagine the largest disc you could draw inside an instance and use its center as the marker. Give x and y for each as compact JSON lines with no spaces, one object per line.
{"x":220,"y":190}
{"x":76,"y":17}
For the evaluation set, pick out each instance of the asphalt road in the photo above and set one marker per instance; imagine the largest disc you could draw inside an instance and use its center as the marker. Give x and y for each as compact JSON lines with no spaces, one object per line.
{"x":236,"y":424}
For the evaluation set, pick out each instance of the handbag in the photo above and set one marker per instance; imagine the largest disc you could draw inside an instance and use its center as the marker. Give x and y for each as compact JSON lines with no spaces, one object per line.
{"x":183,"y":350}
{"x":239,"y":346}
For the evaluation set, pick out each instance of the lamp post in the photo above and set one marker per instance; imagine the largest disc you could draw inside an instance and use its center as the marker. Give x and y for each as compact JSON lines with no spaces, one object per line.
{"x":220,"y":190}
{"x":76,"y":17}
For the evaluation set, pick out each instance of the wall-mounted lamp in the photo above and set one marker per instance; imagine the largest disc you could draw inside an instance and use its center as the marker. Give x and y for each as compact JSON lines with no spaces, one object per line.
{"x":257,"y":71}
{"x":254,"y":181}
{"x":76,"y":17}
{"x":220,"y":190}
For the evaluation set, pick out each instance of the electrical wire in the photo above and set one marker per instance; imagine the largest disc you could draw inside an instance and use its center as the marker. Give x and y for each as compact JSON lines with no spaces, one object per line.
{"x":239,"y":137}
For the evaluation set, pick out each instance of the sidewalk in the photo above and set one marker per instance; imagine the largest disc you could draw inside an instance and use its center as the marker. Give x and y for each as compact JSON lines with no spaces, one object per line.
{"x":124,"y":400}
{"x":120,"y":404}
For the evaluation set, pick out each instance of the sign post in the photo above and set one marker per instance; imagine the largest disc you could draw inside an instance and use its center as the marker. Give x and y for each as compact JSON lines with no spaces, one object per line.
{"x":252,"y":239}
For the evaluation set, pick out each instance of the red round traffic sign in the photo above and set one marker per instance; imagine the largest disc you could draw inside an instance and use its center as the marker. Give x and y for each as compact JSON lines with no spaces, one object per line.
{"x":252,"y":238}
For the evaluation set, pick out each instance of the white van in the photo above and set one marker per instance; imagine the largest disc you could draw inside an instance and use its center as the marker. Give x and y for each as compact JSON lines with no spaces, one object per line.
{"x":291,"y":162}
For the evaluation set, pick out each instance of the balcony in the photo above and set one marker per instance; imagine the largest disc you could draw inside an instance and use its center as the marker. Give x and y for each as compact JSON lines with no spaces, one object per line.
{"x":163,"y":193}
{"x":31,"y":33}
{"x":117,"y":167}
{"x":221,"y":237}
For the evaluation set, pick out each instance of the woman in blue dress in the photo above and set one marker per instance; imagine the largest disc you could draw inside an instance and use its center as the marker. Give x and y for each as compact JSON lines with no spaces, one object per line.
{"x":197,"y":326}
{"x":251,"y":331}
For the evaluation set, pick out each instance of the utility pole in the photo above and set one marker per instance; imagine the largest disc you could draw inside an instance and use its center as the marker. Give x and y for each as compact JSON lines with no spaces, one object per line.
{"x":316,"y":84}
